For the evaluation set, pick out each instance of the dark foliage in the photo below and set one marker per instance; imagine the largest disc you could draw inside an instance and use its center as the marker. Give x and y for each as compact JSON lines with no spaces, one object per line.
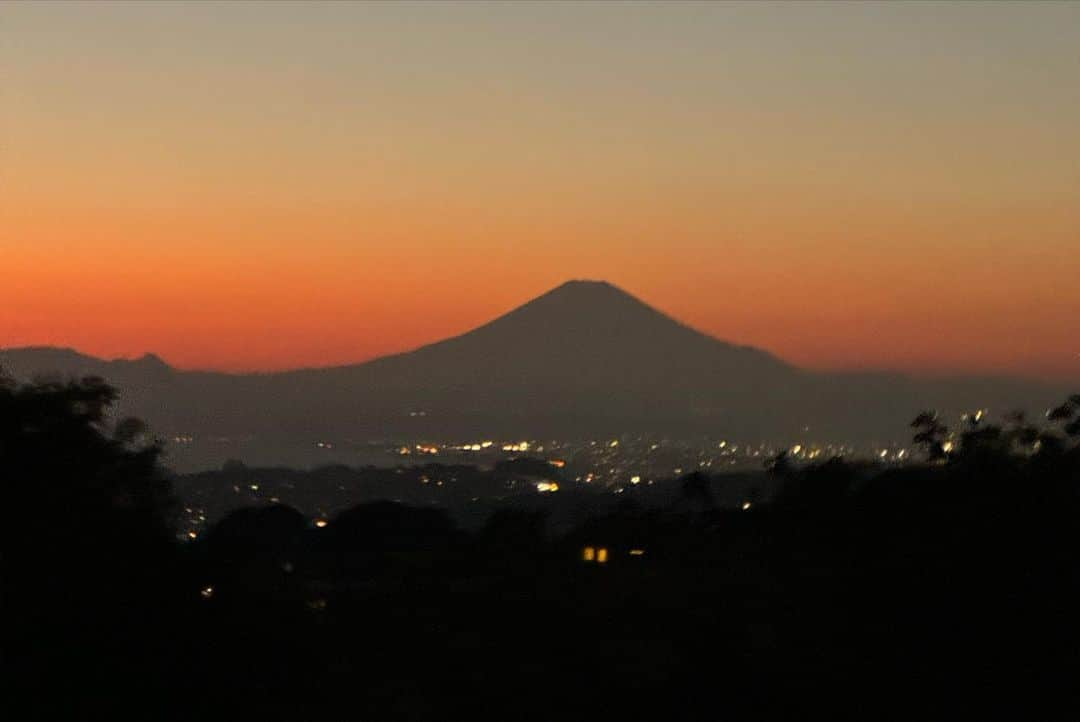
{"x":89,"y":562}
{"x":944,"y":589}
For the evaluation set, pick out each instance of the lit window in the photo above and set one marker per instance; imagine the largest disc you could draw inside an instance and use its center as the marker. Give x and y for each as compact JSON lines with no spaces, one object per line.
{"x":601,"y":555}
{"x":589,"y":554}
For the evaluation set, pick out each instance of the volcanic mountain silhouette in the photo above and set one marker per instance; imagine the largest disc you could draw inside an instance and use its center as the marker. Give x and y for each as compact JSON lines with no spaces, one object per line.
{"x":581,"y":336}
{"x":583,"y":360}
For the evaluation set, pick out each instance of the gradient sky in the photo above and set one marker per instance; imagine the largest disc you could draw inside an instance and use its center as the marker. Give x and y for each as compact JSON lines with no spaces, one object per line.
{"x":246,"y":186}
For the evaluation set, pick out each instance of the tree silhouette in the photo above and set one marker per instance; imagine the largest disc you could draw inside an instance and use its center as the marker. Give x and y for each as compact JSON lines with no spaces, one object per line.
{"x":1068,"y":414}
{"x":697,"y":488}
{"x":930,"y":435}
{"x":89,"y":545}
{"x":86,"y":477}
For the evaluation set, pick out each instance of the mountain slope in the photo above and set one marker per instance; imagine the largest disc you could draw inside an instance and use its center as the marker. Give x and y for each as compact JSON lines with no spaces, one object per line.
{"x":581,"y":336}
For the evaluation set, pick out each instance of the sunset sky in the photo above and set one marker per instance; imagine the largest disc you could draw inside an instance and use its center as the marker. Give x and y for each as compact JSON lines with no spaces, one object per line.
{"x":264,"y":186}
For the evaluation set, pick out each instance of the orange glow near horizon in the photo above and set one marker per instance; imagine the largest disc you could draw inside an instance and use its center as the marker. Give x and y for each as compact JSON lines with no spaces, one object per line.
{"x":273,"y":187}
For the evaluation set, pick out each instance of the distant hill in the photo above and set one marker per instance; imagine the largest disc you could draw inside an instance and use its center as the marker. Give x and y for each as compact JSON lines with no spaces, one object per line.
{"x":585,"y":359}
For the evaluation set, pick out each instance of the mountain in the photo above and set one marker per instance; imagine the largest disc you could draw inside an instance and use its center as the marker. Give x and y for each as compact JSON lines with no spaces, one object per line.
{"x":584,"y":360}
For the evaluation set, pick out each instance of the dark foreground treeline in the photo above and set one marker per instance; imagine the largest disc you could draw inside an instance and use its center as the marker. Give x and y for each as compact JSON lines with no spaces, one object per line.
{"x":942,"y":591}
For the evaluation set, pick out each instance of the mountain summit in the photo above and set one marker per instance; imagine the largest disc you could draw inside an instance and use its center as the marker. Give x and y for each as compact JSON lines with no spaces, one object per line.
{"x":590,"y":335}
{"x":587,"y":314}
